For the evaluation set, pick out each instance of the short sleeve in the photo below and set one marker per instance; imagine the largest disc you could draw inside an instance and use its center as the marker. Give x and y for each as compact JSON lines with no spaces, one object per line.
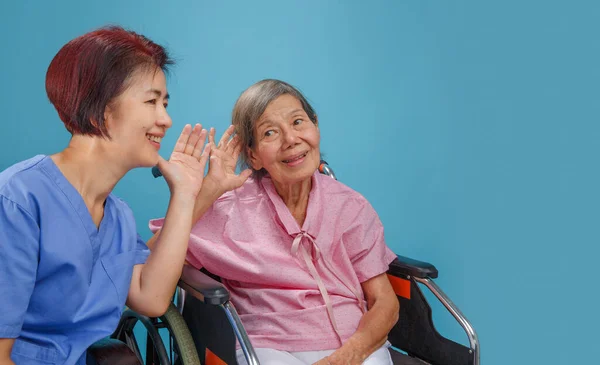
{"x":19,"y":253}
{"x":365,"y":243}
{"x":142,"y":251}
{"x":156,"y":224}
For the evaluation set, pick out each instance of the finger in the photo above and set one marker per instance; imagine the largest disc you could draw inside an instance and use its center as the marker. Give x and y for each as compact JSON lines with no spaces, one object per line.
{"x":194,"y":137}
{"x":225,"y":137}
{"x":217,"y":152}
{"x":204,"y":156}
{"x":232,"y":143}
{"x":183,"y":138}
{"x":161,"y":162}
{"x":243,"y":176}
{"x":198,"y":148}
{"x":216,"y":156}
{"x":211,"y":136}
{"x":237,"y":149}
{"x":162,"y":165}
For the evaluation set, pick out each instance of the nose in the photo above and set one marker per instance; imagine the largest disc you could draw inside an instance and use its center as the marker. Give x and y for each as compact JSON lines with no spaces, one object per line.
{"x":290,"y":137}
{"x":164,"y":120}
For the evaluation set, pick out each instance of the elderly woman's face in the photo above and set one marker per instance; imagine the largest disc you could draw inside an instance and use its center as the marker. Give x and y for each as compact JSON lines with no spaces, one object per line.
{"x":287,"y":142}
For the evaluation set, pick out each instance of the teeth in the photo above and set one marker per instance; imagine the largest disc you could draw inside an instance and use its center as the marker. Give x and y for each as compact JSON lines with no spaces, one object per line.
{"x":295,"y":159}
{"x":153,"y":138}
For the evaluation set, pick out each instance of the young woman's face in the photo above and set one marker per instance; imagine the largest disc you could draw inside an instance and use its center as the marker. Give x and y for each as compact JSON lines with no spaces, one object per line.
{"x":137,"y":120}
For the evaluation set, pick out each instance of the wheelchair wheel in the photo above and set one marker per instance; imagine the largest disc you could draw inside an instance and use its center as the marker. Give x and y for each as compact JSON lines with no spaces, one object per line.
{"x":182,"y":350}
{"x":181,"y":339}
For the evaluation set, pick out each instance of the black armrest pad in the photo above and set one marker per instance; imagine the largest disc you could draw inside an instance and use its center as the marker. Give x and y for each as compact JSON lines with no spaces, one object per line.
{"x":202,"y":286}
{"x":404,"y":266}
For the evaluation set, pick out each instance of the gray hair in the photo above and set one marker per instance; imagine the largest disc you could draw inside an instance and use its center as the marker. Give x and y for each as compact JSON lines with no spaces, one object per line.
{"x":252,"y":104}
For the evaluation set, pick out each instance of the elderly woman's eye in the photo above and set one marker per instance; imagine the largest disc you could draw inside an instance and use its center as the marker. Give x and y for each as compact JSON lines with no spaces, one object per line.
{"x":297,"y":121}
{"x":269,"y":133}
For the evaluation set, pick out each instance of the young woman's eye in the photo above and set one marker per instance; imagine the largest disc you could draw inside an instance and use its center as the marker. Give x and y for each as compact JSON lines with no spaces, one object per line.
{"x":152,"y":101}
{"x":166,"y":105}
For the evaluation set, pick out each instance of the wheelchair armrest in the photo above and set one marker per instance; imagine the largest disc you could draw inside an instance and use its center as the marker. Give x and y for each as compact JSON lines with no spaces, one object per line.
{"x":203,"y":287}
{"x":404,"y":266}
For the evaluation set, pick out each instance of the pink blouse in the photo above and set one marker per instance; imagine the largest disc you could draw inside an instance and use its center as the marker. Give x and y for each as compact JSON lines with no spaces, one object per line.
{"x":295,"y":288}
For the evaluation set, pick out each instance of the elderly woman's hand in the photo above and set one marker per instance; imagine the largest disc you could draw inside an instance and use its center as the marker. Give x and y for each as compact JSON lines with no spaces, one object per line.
{"x":323,"y":361}
{"x":221,"y":175}
{"x":339,"y":357}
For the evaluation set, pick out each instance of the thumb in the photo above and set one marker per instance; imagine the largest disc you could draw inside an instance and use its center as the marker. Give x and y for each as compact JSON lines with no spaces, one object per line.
{"x":243,"y":176}
{"x":163,"y":166}
{"x":162,"y":163}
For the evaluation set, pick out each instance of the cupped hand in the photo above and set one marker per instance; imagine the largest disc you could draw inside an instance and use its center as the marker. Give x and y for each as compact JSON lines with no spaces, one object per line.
{"x":221,"y":176}
{"x":184,"y":171}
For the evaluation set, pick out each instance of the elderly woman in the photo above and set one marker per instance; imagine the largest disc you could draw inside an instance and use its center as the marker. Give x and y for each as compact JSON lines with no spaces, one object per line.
{"x":303,"y":255}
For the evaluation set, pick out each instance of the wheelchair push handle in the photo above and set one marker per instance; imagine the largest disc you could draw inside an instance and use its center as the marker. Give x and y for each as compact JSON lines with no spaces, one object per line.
{"x":325,"y":169}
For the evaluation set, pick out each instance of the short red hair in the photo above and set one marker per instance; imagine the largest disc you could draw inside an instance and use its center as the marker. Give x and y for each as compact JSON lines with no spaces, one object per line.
{"x":91,"y":70}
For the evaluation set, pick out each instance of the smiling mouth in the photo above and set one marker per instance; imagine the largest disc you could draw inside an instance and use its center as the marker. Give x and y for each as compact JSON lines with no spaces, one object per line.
{"x":296,"y":158}
{"x":152,"y":138}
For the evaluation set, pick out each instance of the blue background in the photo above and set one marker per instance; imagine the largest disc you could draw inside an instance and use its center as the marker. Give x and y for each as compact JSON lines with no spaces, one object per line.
{"x":471,"y":126}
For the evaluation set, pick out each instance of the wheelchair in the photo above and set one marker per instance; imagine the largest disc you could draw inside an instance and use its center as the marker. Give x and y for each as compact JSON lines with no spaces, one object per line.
{"x":203,"y":325}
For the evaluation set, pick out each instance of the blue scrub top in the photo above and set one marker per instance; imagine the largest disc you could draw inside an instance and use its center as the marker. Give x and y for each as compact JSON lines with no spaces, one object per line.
{"x":63,"y":282}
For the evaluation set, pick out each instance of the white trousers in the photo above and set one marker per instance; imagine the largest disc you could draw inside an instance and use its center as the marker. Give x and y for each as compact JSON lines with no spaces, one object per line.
{"x":275,"y":357}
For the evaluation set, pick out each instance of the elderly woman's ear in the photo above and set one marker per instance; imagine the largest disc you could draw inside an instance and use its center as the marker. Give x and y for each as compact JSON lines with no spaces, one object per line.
{"x":255,"y":162}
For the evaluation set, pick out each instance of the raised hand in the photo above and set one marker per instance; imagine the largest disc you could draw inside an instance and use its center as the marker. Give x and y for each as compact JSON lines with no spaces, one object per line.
{"x":184,"y":171}
{"x":224,"y":156}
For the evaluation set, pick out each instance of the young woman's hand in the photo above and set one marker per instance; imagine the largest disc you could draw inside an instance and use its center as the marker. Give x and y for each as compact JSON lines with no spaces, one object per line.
{"x":184,"y":171}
